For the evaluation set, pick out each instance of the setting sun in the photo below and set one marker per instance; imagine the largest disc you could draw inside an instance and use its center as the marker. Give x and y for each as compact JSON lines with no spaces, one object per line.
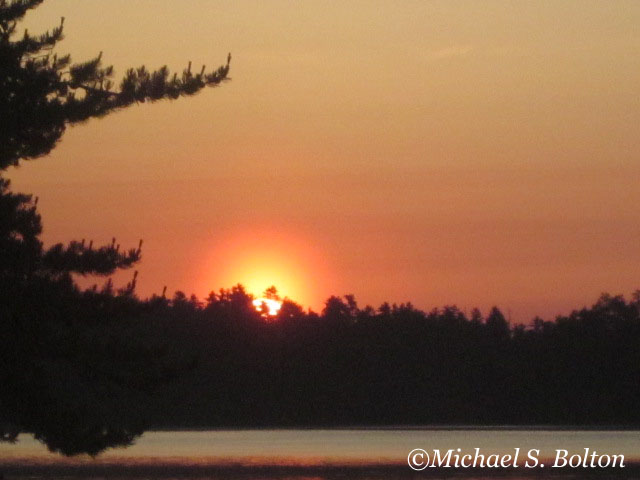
{"x":268,"y":306}
{"x":258,"y":259}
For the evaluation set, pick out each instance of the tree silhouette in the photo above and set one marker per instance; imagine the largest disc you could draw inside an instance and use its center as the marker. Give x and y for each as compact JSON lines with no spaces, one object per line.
{"x":497,"y":324}
{"x":43,"y":92}
{"x":65,"y":374}
{"x":271,"y":293}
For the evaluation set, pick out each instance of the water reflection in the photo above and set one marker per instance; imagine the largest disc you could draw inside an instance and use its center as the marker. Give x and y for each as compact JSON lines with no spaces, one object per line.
{"x":321,"y":454}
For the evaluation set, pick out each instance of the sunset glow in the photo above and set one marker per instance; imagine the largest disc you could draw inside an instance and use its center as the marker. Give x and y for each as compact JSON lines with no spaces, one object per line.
{"x":259,"y":258}
{"x":272,"y":306}
{"x":450,"y":153}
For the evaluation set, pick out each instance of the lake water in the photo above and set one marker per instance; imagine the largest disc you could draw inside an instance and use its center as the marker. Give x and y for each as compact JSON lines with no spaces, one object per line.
{"x":322,"y":454}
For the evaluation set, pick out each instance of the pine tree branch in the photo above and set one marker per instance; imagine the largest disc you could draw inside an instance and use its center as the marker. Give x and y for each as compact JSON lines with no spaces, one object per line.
{"x":85,"y":260}
{"x":16,"y":9}
{"x":40,"y":102}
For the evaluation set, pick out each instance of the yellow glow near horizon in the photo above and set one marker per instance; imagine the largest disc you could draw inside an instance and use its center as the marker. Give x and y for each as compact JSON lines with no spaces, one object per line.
{"x":273,"y":306}
{"x":257,"y":273}
{"x":259,"y":259}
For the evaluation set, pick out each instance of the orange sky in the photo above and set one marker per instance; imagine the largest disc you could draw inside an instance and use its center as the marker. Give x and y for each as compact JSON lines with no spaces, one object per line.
{"x":441,"y":152}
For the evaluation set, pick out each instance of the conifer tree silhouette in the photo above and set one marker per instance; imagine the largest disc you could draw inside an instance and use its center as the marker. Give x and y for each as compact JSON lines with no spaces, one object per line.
{"x":59,"y":379}
{"x":43,"y":92}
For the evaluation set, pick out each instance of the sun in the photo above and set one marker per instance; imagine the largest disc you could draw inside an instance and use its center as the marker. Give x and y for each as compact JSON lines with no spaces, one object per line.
{"x":270,"y":303}
{"x":259,"y":258}
{"x":267,"y":306}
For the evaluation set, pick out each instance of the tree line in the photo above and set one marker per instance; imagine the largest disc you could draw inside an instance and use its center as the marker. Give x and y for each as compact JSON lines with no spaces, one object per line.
{"x":396,"y":365}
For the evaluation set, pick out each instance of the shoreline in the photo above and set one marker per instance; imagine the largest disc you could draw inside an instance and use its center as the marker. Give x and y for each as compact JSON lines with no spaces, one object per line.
{"x":175,"y":469}
{"x":443,"y":427}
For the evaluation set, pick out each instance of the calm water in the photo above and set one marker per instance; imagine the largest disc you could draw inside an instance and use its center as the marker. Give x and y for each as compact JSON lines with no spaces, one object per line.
{"x":318,"y":454}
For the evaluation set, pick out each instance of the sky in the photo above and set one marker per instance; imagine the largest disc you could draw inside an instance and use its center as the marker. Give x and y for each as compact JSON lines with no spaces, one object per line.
{"x":439,"y":152}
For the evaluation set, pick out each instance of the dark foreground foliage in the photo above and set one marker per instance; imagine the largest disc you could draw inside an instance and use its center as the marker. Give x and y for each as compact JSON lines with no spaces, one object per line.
{"x":75,"y":366}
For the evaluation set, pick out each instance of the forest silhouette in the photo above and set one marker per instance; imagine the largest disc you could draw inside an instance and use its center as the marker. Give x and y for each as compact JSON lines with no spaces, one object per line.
{"x":87,"y":369}
{"x":395,"y":365}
